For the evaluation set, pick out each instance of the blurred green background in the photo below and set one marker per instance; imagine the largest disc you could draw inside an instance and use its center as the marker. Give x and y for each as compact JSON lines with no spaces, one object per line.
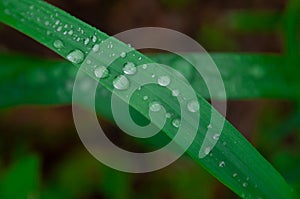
{"x":43,"y":157}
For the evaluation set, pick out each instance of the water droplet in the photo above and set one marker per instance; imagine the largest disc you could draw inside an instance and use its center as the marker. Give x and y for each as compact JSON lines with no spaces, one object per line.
{"x":31,"y":7}
{"x":96,"y":48}
{"x":234,"y":175}
{"x":155,"y":106}
{"x":86,"y":41}
{"x":222,"y":164}
{"x":207,"y":150}
{"x":59,"y":28}
{"x":152,"y":75}
{"x":70,"y":32}
{"x":144,"y":66}
{"x":88,"y":61}
{"x":47,"y":23}
{"x":145,"y":97}
{"x":101,"y":72}
{"x":168,"y":115}
{"x":175,"y":93}
{"x":58,"y":44}
{"x":216,"y":136}
{"x":164,"y":80}
{"x":209,"y":126}
{"x":76,"y":56}
{"x":94,"y":39}
{"x":245,"y":184}
{"x":129,"y":68}
{"x":176,"y":123}
{"x":121,"y":82}
{"x":123,"y":55}
{"x":193,"y":106}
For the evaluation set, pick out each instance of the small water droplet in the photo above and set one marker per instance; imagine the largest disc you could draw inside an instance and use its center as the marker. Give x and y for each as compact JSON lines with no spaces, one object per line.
{"x":58,"y":44}
{"x":57,"y":22}
{"x":145,"y":97}
{"x":168,"y":115}
{"x":94,"y":39}
{"x":144,"y":66}
{"x":164,"y":80}
{"x":207,"y":150}
{"x":47,"y":23}
{"x":123,"y":55}
{"x":129,"y":68}
{"x":152,"y":75}
{"x":70,"y":32}
{"x":234,"y":175}
{"x":216,"y":136}
{"x":222,"y":164}
{"x":96,"y":48}
{"x":59,"y":28}
{"x":155,"y":106}
{"x":101,"y":72}
{"x":193,"y":106}
{"x":76,"y":56}
{"x":86,"y":41}
{"x":175,"y":93}
{"x":176,"y":123}
{"x":88,"y":62}
{"x":121,"y":82}
{"x":31,"y":7}
{"x":140,"y":58}
{"x":245,"y":184}
{"x":209,"y":126}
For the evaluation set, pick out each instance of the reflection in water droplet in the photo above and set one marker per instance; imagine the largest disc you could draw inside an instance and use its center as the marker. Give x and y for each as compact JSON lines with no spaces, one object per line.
{"x":129,"y":68}
{"x":101,"y":72}
{"x":164,"y":80}
{"x":121,"y":82}
{"x":193,"y":106}
{"x":58,"y":44}
{"x":76,"y":56}
{"x":222,"y":164}
{"x":155,"y":106}
{"x":176,"y":123}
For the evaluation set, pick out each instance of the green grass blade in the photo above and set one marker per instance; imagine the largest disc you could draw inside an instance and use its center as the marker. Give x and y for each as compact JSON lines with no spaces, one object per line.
{"x":255,"y":176}
{"x":246,"y":76}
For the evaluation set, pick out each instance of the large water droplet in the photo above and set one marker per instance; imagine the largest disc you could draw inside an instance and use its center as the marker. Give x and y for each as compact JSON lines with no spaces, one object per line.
{"x":121,"y":82}
{"x":164,"y":80}
{"x":76,"y":56}
{"x":193,"y":106}
{"x":101,"y":72}
{"x":155,"y":106}
{"x":58,"y":44}
{"x":176,"y":123}
{"x":222,"y":164}
{"x":129,"y":68}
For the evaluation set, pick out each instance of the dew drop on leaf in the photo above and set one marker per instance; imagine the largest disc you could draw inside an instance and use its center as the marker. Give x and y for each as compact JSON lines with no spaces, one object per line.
{"x":101,"y":72}
{"x":164,"y":80}
{"x":76,"y":56}
{"x":58,"y":44}
{"x":129,"y":68}
{"x":193,"y":106}
{"x":121,"y":83}
{"x":222,"y":164}
{"x":155,"y":106}
{"x":176,"y":123}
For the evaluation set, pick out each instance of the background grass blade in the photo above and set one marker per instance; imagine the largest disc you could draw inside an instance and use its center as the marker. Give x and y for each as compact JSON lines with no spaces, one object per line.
{"x":248,"y":175}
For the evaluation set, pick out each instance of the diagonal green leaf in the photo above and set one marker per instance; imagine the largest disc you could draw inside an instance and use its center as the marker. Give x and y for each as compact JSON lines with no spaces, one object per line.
{"x":233,"y":160}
